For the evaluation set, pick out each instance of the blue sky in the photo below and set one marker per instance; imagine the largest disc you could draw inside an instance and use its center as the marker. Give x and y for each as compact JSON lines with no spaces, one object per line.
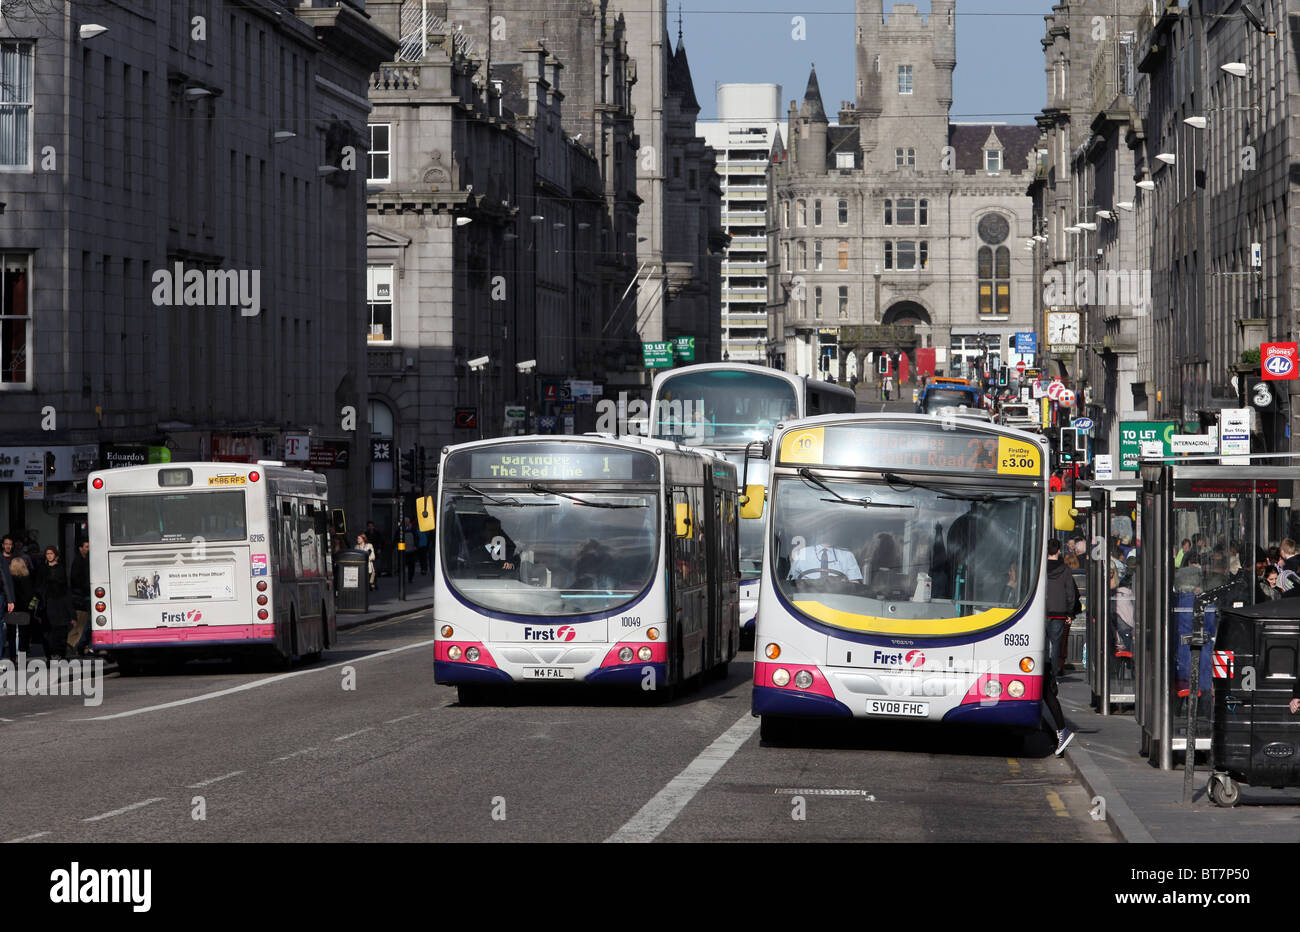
{"x":999,"y":75}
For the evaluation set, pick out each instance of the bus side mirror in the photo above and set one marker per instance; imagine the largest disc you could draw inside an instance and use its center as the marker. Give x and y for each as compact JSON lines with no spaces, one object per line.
{"x":751,"y":503}
{"x":1063,"y":511}
{"x":424,"y":514}
{"x":340,"y":521}
{"x":682,"y":511}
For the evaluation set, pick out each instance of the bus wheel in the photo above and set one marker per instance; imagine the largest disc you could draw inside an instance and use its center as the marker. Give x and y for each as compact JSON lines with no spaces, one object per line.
{"x":314,"y":656}
{"x":126,"y":666}
{"x":774,"y":731}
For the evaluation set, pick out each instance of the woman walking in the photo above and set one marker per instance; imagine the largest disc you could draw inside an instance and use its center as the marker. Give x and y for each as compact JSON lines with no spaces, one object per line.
{"x":56,"y":601}
{"x":369,"y":548}
{"x":18,"y":635}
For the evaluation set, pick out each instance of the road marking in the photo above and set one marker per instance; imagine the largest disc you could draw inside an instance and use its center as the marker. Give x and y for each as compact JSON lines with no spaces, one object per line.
{"x":15,"y":841}
{"x":255,"y":684}
{"x":294,"y":754}
{"x":353,"y":734}
{"x":659,"y":812}
{"x":118,"y":812}
{"x":393,"y":721}
{"x":1014,"y":765}
{"x":785,"y":791}
{"x":195,"y":786}
{"x":1055,"y":802}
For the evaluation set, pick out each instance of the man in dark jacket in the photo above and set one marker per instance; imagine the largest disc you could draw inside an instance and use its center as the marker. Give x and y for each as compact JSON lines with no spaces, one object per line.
{"x":6,"y":597}
{"x":1062,"y":598}
{"x":79,"y":582}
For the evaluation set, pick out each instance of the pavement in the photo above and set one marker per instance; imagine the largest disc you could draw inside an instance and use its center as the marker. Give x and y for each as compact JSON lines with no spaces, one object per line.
{"x":1143,"y":803}
{"x":384,"y":604}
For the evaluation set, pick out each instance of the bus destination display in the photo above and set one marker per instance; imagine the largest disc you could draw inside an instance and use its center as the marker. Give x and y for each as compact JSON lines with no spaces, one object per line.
{"x":555,"y":462}
{"x":910,"y":448}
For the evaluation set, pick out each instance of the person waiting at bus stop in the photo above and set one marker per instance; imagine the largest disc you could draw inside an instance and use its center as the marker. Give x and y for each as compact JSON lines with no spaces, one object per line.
{"x":1062,"y":600}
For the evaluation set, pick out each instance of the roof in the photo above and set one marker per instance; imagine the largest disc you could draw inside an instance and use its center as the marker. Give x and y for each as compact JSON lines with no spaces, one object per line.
{"x":679,"y":79}
{"x":1018,"y":144}
{"x":812,"y":99}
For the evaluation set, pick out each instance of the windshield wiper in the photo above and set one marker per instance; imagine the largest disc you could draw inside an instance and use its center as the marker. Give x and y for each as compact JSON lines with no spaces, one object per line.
{"x":947,"y":494}
{"x":543,"y":490}
{"x":806,"y":474}
{"x":504,"y":502}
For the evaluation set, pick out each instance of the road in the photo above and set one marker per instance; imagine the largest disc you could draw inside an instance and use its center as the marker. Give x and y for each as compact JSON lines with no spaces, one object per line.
{"x":362,"y":746}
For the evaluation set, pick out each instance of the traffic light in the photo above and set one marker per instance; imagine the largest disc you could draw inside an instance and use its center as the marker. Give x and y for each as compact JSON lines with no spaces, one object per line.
{"x":419,"y":466}
{"x":49,"y":465}
{"x":407,"y":472}
{"x":1068,"y":448}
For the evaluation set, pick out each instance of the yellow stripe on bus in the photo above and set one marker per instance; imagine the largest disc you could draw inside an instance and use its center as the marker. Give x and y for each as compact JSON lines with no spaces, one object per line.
{"x":913,"y":626}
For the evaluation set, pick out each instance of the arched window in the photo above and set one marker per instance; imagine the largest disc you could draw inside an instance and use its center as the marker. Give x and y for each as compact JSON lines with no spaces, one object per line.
{"x":994,"y":270}
{"x":803,"y":212}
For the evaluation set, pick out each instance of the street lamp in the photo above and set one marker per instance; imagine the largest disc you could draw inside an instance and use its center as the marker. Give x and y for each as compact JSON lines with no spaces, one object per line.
{"x":478,"y":364}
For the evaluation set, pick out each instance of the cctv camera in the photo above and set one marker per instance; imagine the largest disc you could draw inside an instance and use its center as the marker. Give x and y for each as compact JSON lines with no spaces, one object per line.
{"x":528,"y":365}
{"x":478,"y":362}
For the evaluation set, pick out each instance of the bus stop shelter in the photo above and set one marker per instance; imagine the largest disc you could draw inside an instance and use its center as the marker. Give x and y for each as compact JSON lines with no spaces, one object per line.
{"x":1112,"y":524}
{"x":1229,"y":515}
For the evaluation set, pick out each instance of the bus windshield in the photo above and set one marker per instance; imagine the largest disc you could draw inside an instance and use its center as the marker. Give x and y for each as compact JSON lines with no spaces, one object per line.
{"x":549,"y":552}
{"x":721,"y":407}
{"x":862,"y":554}
{"x":176,"y":517}
{"x":937,"y":398}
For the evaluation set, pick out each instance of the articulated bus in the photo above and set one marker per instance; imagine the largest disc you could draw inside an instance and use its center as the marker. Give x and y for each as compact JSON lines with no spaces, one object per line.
{"x":723,"y":407}
{"x":209,"y":559}
{"x":583,"y":559}
{"x":905,"y":575}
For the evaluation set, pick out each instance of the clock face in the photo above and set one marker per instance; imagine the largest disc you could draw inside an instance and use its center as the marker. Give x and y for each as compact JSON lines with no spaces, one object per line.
{"x":1062,"y":328}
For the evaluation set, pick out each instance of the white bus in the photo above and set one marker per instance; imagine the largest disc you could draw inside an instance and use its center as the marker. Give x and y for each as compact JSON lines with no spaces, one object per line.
{"x":203,"y":559}
{"x":905,"y":576}
{"x":583,"y":559}
{"x":723,"y":407}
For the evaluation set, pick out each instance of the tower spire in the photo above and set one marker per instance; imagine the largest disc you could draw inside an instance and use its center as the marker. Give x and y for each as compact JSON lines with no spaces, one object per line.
{"x":679,"y":24}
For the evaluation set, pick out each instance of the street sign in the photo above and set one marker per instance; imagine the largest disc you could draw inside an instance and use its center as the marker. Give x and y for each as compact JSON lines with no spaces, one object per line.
{"x":657,"y":355}
{"x":1194,"y":444}
{"x":1065,"y":398}
{"x":684,"y":348}
{"x":1027,"y":342}
{"x":466,"y":418}
{"x":1278,"y":361}
{"x":1103,"y":467}
{"x":1020,"y":367}
{"x":1083,"y":423}
{"x":1054,"y":390}
{"x":551,"y":390}
{"x":1234,"y":435}
{"x":1131,"y":435}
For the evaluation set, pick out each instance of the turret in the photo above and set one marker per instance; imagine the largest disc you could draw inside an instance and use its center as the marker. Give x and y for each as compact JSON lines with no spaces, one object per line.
{"x":813,"y":129}
{"x":943,"y":20}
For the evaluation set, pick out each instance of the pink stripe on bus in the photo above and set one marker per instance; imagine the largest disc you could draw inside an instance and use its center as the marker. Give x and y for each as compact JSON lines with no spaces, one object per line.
{"x":182,"y":635}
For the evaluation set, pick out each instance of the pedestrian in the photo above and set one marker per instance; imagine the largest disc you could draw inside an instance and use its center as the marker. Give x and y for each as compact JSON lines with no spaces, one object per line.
{"x":1268,"y":585}
{"x":1290,"y":555}
{"x":1182,"y":552}
{"x":409,"y":555}
{"x":1062,"y":603}
{"x":422,"y":548}
{"x":18,"y":631}
{"x":369,"y":548}
{"x":376,"y":539}
{"x":79,"y":583}
{"x":889,"y":388}
{"x":6,"y":599}
{"x":56,"y":603}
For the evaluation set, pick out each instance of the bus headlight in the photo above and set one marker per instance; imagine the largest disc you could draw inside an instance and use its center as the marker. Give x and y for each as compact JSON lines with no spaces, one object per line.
{"x":1026,"y":664}
{"x":472,"y":655}
{"x":454,"y":652}
{"x":1015,"y":689}
{"x":652,"y":634}
{"x":803,"y":679}
{"x":625,"y":655}
{"x":644,"y":653}
{"x":446,"y":631}
{"x":781,"y":676}
{"x":992,"y":688}
{"x":772,"y":651}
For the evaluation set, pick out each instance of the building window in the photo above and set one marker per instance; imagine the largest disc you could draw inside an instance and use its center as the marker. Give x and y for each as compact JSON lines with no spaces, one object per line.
{"x":677,"y":167}
{"x":992,"y":161}
{"x":15,"y":319}
{"x":889,"y":254}
{"x":379,"y":296}
{"x":899,"y":155}
{"x":911,"y":157}
{"x":994,"y":269}
{"x":904,"y":157}
{"x":692,"y":177}
{"x":803,"y":257}
{"x":906,"y":216}
{"x":817,"y":302}
{"x":904,"y":79}
{"x":844,"y":301}
{"x":924,"y":213}
{"x":889,"y":212}
{"x":785,"y":255}
{"x":907,"y":255}
{"x":785,"y":215}
{"x":843,"y":256}
{"x":843,"y":218}
{"x":803,"y":212}
{"x":817,"y":213}
{"x":817,"y":256}
{"x":844,"y":160}
{"x":380,"y":153}
{"x":16,"y":105}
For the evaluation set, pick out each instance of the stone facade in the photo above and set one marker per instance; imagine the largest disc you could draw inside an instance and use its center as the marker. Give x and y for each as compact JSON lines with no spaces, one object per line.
{"x":219,"y":144}
{"x":919,"y":221}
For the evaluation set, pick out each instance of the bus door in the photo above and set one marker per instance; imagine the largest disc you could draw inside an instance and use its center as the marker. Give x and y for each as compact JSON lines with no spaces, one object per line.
{"x":288,"y":568}
{"x":713,"y":566}
{"x":690,"y":610}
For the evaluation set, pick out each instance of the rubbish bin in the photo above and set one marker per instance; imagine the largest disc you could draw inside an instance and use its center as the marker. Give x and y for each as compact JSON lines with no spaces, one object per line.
{"x":352,"y":580}
{"x":1256,"y":739}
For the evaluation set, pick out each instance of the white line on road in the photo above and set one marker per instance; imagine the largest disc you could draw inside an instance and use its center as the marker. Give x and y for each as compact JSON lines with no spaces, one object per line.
{"x":117,"y":812}
{"x":294,"y":754}
{"x":256,"y":683}
{"x":393,"y":721}
{"x":659,"y":813}
{"x":15,"y":841}
{"x":195,"y":786}
{"x":353,"y":734}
